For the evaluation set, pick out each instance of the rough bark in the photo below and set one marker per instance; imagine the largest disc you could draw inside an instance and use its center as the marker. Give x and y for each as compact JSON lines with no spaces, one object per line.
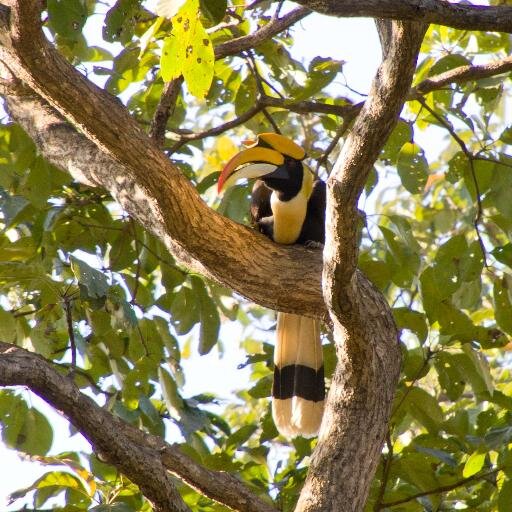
{"x":457,"y":15}
{"x":150,"y":187}
{"x":143,"y":458}
{"x":107,"y":434}
{"x":362,"y":390}
{"x":140,"y":177}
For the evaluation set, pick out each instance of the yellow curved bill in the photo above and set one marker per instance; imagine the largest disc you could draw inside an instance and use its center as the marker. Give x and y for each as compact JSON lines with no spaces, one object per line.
{"x":282,"y":144}
{"x":260,"y":158}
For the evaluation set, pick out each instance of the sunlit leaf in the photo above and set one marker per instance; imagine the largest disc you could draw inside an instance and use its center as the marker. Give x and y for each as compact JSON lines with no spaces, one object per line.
{"x":188,"y":51}
{"x":474,"y":464}
{"x":412,"y":167}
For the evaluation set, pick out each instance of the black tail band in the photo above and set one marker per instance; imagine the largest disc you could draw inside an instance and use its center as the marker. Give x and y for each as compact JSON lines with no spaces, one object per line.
{"x":299,"y":380}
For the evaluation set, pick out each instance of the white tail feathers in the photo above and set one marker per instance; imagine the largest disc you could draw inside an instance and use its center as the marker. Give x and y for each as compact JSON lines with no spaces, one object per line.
{"x":298,"y":391}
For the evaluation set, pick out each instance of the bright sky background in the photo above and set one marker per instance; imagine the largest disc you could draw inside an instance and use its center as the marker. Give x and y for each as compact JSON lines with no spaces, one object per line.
{"x":353,"y":40}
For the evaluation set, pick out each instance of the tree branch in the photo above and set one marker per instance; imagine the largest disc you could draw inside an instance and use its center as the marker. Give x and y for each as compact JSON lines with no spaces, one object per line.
{"x":457,"y":75}
{"x":272,"y":28}
{"x":457,"y":15}
{"x":231,"y":47}
{"x":441,"y":489}
{"x":359,"y":403}
{"x":143,"y":458}
{"x":109,"y":436}
{"x":164,"y":110}
{"x":143,"y":181}
{"x":462,"y":74}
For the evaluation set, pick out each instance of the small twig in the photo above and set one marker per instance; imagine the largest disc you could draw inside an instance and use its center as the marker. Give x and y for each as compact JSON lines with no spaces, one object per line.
{"x":212,"y":132}
{"x":441,"y":489}
{"x":16,"y":313}
{"x":462,"y":74}
{"x":342,"y":128}
{"x":67,"y":300}
{"x":388,"y":459}
{"x":261,"y":90}
{"x":349,"y":111}
{"x":164,"y":110}
{"x":479,"y":209}
{"x":272,"y":28}
{"x":88,"y":378}
{"x":278,"y":10}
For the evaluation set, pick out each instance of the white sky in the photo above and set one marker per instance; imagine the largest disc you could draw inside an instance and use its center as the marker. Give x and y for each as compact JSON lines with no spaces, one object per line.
{"x":352,"y":40}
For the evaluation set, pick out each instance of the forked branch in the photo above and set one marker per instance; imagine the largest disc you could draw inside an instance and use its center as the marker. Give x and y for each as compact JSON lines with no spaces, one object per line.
{"x":143,"y":458}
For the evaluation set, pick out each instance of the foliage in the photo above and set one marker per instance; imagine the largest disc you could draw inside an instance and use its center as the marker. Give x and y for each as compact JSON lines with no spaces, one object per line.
{"x":89,"y":289}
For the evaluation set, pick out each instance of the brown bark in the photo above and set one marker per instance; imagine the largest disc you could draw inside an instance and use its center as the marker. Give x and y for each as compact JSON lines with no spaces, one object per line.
{"x":143,"y":458}
{"x":359,"y":402}
{"x":129,"y":165}
{"x":464,"y":16}
{"x":152,"y":189}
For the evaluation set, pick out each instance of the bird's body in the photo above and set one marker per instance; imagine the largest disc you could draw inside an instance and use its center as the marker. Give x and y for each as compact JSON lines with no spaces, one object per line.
{"x":288,"y":206}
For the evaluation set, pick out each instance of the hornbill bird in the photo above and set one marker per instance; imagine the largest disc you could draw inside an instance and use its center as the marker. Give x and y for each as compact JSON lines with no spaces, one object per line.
{"x":288,"y":206}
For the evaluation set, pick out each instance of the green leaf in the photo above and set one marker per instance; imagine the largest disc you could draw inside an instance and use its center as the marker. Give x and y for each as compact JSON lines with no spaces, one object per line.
{"x":447,"y":62}
{"x":412,"y":167}
{"x":450,"y":377}
{"x":322,"y":71}
{"x":93,"y":280}
{"x":7,"y":327}
{"x":424,"y":408}
{"x":413,"y":320}
{"x":239,"y":437}
{"x":503,"y":254}
{"x":24,"y":428}
{"x":185,"y":310}
{"x":262,"y":388}
{"x":502,"y":304}
{"x":474,"y":464}
{"x":401,"y":134}
{"x":21,"y":250}
{"x":245,"y":96}
{"x":38,"y":185}
{"x":404,"y":258}
{"x":119,"y":21}
{"x":473,"y":368}
{"x":214,"y":9}
{"x":172,"y":398}
{"x":188,"y":51}
{"x":458,"y":166}
{"x":209,"y":317}
{"x":67,"y":17}
{"x":506,"y":135}
{"x":505,"y":496}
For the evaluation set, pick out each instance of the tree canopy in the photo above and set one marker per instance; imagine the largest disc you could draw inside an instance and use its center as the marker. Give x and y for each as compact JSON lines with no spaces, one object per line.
{"x":118,"y":260}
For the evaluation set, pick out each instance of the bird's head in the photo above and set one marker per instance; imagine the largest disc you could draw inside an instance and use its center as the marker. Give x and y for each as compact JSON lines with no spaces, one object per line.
{"x":273,"y":158}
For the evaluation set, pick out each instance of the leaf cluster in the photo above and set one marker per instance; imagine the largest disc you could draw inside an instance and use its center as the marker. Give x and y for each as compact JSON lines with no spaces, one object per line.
{"x":89,"y":289}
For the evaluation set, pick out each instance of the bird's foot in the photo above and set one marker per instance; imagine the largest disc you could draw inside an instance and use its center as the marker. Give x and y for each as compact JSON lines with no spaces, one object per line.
{"x":311,"y":244}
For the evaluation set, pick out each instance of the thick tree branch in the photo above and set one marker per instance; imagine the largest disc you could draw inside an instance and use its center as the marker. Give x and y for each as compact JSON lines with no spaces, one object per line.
{"x":146,"y":184}
{"x":364,"y":382}
{"x":109,"y":436}
{"x":457,"y":15}
{"x":143,"y":458}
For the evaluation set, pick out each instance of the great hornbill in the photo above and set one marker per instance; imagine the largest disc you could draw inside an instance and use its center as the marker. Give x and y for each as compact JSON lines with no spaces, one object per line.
{"x":288,"y":205}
